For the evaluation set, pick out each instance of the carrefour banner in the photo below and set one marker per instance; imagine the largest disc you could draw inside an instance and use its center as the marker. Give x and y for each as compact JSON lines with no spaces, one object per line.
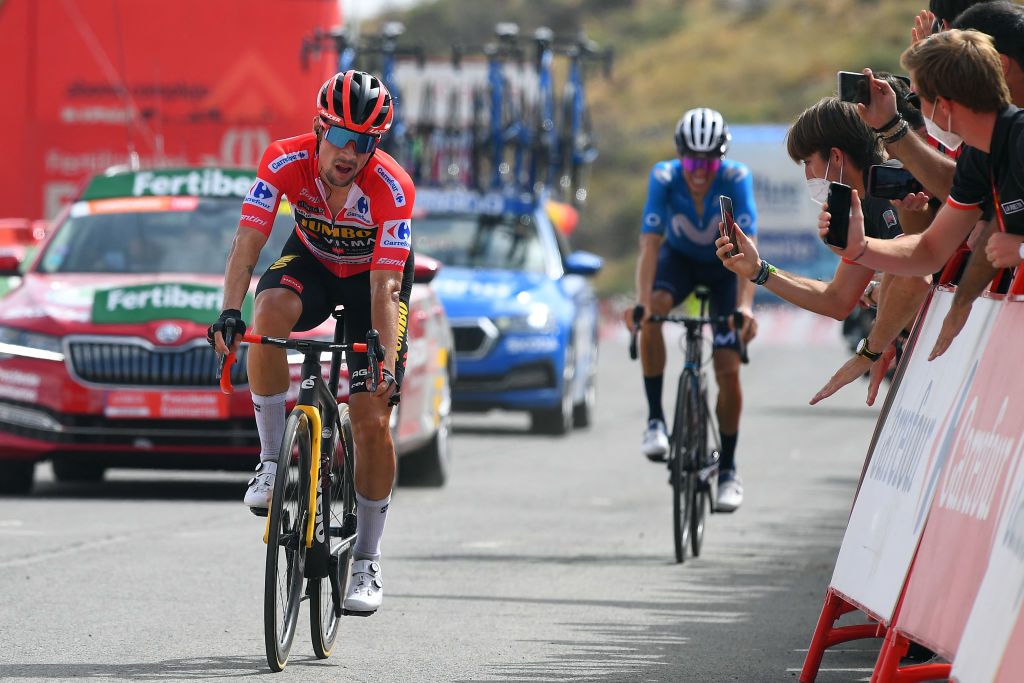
{"x":161,"y":301}
{"x":979,"y":458}
{"x":901,"y":478}
{"x":993,"y":640}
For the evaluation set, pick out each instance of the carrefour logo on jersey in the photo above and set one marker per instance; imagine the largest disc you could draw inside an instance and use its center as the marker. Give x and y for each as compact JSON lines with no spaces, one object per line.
{"x":396,"y":189}
{"x":285,"y":159}
{"x":209,"y":182}
{"x":397,"y":235}
{"x":262,"y":194}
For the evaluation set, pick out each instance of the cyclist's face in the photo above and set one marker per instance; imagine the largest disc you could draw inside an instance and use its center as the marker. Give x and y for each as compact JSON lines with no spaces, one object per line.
{"x":339,"y":165}
{"x":700,"y":171}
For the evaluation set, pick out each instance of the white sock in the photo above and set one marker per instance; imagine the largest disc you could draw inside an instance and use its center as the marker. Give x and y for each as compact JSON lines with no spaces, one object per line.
{"x":370,"y":516}
{"x":270,"y":424}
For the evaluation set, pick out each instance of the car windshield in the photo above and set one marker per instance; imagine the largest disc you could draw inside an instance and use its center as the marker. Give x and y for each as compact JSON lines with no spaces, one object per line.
{"x":502,"y":242}
{"x":154,"y":235}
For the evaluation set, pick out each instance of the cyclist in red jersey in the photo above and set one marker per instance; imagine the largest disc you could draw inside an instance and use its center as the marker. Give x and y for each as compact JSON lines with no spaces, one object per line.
{"x":351,"y":246}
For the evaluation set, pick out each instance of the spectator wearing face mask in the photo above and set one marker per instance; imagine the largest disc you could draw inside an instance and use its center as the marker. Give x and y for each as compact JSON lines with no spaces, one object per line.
{"x":959,"y":78}
{"x":834,"y":145}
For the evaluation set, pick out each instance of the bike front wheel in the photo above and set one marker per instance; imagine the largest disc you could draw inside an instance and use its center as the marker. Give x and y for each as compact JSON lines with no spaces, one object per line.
{"x":324,"y":613}
{"x":702,"y":487}
{"x":286,"y":547}
{"x":683,"y":474}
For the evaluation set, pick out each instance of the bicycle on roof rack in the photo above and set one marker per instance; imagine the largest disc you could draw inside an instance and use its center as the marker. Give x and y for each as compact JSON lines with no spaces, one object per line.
{"x":311,"y":523}
{"x":694,"y":443}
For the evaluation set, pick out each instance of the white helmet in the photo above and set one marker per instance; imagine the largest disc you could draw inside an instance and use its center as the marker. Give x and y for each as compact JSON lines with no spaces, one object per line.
{"x":702,"y":131}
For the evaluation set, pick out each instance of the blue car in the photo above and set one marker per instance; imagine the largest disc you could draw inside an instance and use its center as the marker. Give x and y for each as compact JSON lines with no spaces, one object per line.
{"x":522,"y":311}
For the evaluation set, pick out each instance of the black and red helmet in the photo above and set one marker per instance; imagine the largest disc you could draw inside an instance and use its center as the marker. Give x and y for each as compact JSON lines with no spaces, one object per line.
{"x":357,"y":101}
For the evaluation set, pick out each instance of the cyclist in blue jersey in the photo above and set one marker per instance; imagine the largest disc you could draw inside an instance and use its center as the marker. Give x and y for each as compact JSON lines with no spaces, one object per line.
{"x":677,"y":253}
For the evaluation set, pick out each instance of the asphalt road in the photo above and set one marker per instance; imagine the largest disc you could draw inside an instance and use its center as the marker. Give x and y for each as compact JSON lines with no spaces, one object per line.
{"x":542,"y":560}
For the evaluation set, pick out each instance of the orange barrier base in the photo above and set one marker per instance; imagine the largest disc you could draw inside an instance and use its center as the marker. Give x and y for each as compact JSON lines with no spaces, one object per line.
{"x":888,"y":669}
{"x":827,"y":634}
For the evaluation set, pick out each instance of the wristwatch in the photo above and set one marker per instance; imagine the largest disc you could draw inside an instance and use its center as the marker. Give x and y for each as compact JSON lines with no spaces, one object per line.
{"x":863,"y":350}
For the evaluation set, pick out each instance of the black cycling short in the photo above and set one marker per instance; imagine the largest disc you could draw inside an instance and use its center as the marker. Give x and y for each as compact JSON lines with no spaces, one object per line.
{"x":679,"y":275}
{"x":321,"y":292}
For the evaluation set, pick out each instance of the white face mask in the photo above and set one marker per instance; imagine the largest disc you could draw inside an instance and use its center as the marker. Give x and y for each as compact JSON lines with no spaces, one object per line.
{"x":818,"y":187}
{"x":948,"y":138}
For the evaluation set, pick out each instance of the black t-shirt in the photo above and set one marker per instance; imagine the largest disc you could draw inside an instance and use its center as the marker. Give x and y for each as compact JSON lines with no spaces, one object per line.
{"x":975,"y":171}
{"x":880,"y":218}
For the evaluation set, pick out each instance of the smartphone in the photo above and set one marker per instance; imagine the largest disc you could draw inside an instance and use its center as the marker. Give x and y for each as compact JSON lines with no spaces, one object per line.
{"x":853,"y":86}
{"x":839,"y":198}
{"x":891,"y":182}
{"x":729,"y":223}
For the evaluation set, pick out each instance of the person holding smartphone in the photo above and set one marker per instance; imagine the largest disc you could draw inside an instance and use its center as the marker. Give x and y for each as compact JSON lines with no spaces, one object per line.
{"x":959,"y":77}
{"x":836,"y":149}
{"x":677,"y":252}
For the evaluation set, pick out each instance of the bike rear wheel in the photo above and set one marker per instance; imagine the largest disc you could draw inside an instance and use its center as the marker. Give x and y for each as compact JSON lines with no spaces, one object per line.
{"x":682,"y":474}
{"x":286,"y":547}
{"x":324,"y":614}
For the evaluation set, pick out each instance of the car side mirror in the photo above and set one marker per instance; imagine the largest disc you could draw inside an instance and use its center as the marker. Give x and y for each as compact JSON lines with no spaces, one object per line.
{"x":583,"y":263}
{"x":426,"y":269}
{"x":10,"y":265}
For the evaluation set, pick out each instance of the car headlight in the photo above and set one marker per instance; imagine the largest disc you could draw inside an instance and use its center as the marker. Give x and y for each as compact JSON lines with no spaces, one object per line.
{"x":17,"y":342}
{"x":538,"y":319}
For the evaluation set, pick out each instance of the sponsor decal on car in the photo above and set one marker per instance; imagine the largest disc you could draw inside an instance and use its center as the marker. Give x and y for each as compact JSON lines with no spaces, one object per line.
{"x":180,"y":405}
{"x":163,"y":301}
{"x":285,"y":159}
{"x":396,"y":189}
{"x":262,"y":195}
{"x":397,"y":235}
{"x":18,"y":385}
{"x":210,"y":182}
{"x":532,"y":344}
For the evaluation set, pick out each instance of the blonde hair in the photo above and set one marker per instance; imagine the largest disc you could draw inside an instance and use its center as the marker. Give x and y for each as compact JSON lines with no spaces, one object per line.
{"x":962,"y":66}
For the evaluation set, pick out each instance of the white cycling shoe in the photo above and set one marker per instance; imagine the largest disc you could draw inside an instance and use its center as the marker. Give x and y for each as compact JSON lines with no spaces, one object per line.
{"x":261,"y":488}
{"x":655,"y":441}
{"x":365,"y":590}
{"x":730,"y":492}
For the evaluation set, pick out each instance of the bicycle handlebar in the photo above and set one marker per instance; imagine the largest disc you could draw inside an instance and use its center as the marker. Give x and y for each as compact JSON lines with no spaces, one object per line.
{"x":736,"y":318}
{"x":306,"y":346}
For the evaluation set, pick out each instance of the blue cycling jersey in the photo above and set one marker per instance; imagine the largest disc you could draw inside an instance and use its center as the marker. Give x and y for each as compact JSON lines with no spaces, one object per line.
{"x":671,"y":212}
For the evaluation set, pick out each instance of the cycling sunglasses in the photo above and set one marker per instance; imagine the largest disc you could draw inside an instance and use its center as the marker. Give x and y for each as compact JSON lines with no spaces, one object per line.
{"x":709,"y":165}
{"x":339,"y":137}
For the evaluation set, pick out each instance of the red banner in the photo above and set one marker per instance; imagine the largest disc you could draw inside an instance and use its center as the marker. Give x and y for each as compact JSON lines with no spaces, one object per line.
{"x":184,"y":82}
{"x":980,"y":457}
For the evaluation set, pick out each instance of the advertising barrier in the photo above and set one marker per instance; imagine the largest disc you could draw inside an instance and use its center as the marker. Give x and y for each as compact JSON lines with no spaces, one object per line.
{"x":942,"y":493}
{"x":892,"y":505}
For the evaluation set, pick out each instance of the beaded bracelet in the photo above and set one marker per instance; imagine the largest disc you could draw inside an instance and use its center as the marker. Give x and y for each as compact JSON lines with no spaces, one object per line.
{"x":898,"y":135}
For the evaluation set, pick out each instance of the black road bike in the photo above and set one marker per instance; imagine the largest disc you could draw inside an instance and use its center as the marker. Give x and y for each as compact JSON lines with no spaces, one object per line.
{"x":311,"y":525}
{"x":694,"y":445}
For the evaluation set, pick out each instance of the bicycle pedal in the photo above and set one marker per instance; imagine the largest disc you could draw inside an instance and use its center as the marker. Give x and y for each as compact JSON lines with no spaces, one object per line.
{"x":350,"y":613}
{"x":259,"y":512}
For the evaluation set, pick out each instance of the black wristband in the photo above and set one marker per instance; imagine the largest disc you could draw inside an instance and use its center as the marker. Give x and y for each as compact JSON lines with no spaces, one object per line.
{"x":892,"y":122}
{"x":898,"y":135}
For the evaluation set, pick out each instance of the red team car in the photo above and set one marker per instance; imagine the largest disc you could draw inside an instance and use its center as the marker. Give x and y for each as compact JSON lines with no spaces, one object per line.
{"x":103,"y":354}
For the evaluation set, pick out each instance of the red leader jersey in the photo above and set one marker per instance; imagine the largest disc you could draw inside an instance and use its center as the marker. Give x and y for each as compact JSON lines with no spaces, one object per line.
{"x":372,"y":232}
